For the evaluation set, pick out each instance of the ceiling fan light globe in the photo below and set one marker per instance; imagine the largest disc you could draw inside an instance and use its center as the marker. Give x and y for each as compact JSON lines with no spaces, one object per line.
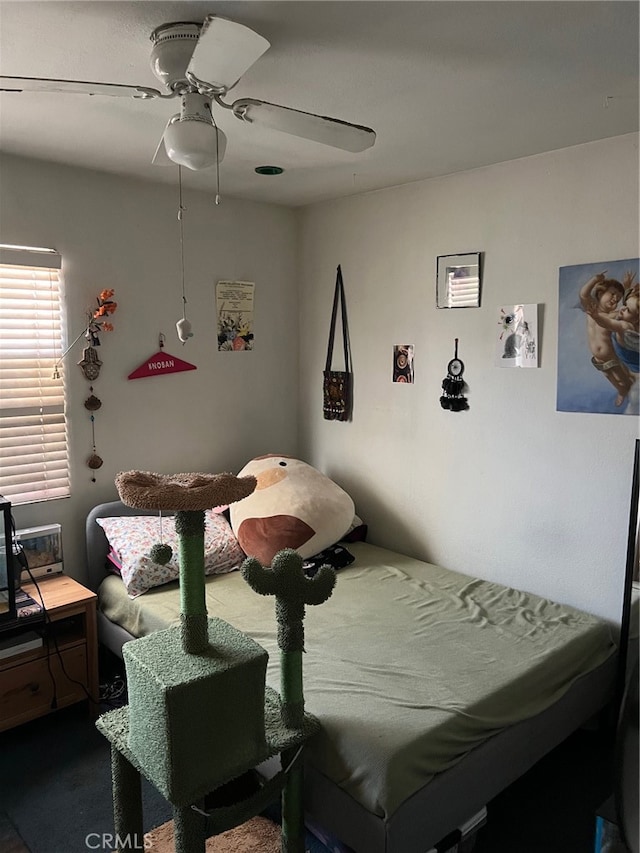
{"x":194,"y":144}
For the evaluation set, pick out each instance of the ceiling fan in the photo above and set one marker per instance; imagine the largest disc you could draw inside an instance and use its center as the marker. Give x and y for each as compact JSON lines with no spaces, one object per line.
{"x":200,"y":63}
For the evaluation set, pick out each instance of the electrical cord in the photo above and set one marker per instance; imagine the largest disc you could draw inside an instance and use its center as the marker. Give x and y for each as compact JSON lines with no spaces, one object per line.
{"x":20,"y":557}
{"x":49,"y":633}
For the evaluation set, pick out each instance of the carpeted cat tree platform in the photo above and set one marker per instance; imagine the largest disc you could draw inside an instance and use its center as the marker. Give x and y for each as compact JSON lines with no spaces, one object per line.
{"x":199,"y":713}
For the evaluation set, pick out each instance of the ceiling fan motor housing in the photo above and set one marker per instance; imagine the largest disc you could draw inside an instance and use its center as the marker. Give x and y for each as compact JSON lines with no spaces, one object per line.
{"x":173,"y":46}
{"x":195,"y":107}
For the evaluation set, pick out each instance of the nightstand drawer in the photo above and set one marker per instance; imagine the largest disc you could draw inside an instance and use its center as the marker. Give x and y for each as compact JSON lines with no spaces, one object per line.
{"x":26,"y":691}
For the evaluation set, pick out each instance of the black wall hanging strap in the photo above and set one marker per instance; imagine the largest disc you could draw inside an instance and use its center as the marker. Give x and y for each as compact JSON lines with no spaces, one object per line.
{"x":337,"y":384}
{"x":338,"y":296}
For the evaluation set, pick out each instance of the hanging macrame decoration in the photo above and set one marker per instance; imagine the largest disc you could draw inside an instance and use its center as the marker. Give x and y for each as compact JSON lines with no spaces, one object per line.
{"x":161,"y":553}
{"x":453,"y":385}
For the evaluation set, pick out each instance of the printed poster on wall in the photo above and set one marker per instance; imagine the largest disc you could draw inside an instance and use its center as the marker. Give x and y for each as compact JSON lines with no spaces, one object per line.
{"x":517,"y":338}
{"x":598,"y":338}
{"x":234,"y":310}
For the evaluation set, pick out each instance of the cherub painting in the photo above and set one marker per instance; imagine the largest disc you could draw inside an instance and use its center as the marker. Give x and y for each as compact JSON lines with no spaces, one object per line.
{"x":598,"y":338}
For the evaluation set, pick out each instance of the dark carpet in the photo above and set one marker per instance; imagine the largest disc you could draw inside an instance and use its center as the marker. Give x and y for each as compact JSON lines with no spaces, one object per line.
{"x":10,"y":841}
{"x":55,"y":790}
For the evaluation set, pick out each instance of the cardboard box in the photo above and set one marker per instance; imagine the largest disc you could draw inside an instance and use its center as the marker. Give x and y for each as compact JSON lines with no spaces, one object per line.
{"x":42,"y":548}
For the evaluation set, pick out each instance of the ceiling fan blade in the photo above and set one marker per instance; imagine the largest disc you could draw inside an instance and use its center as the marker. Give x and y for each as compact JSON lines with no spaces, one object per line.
{"x":224,"y":51}
{"x":329,"y":131}
{"x":79,"y":87}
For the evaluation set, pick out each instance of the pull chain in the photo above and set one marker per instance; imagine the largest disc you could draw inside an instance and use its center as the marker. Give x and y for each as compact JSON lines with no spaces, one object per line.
{"x":183,"y":326}
{"x":217,"y":164}
{"x":180,"y":212}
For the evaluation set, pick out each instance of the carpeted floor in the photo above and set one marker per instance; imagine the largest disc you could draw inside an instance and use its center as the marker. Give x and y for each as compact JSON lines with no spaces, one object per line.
{"x":257,"y":835}
{"x":10,"y":840}
{"x":55,"y":789}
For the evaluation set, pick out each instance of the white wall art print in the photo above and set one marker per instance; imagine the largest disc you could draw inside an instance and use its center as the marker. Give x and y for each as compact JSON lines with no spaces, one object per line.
{"x":517,"y":336}
{"x":234,"y":308}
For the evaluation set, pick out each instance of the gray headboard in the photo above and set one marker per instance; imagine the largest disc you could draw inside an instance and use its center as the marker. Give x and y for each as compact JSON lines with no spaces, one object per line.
{"x":97,"y":545}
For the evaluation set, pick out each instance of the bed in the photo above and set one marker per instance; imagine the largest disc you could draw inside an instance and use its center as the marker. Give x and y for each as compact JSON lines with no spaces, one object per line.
{"x":435,"y":690}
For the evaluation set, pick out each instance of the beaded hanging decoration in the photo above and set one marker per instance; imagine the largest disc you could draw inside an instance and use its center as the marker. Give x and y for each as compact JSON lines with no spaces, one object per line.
{"x":90,"y":363}
{"x":92,"y":404}
{"x":453,"y":385}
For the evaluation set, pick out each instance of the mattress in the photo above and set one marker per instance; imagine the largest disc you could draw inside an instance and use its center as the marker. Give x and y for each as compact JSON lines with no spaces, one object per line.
{"x":408,"y":665}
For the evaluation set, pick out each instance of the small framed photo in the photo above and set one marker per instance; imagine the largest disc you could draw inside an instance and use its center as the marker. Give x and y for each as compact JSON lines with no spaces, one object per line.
{"x":403,"y":363}
{"x":458,"y":281}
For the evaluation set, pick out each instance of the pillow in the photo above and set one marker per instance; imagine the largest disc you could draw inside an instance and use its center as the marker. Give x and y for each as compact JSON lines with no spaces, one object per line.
{"x":293,"y":506}
{"x":131,"y":537}
{"x":113,"y":563}
{"x":357,"y":532}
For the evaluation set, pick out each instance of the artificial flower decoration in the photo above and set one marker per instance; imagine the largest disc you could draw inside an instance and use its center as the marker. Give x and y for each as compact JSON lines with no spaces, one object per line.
{"x":97,"y":321}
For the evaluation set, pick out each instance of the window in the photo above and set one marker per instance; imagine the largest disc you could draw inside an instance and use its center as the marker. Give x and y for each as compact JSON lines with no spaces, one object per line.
{"x":34,"y":463}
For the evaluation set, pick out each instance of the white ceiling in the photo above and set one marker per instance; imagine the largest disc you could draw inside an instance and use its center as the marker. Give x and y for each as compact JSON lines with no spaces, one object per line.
{"x":447,"y":86}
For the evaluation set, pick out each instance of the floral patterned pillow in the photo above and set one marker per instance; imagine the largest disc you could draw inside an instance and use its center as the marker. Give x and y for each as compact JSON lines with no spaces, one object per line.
{"x":131,"y":537}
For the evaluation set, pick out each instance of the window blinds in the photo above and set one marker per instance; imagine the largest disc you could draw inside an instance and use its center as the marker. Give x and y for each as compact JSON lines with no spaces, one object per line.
{"x":34,"y":463}
{"x":462,"y":290}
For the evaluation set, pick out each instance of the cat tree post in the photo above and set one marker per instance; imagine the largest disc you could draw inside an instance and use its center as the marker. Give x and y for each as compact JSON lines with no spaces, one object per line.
{"x":292,"y":589}
{"x":193,"y":609}
{"x":127,"y":801}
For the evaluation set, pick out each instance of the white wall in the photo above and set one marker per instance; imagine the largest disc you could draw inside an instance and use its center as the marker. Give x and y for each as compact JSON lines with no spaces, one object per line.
{"x":119,"y":233}
{"x":510,"y":490}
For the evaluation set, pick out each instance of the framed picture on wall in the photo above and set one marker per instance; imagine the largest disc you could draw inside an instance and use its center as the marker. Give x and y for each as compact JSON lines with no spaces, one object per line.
{"x":598,"y":338}
{"x":458,"y":280}
{"x":403,"y":363}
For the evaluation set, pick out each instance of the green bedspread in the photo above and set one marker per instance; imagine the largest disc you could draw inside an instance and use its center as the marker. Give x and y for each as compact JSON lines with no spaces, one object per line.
{"x":408,"y":665}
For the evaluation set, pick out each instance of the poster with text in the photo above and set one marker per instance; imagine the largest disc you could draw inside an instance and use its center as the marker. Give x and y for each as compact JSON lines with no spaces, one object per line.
{"x":234,"y":309}
{"x":598,"y":338}
{"x":517,"y":338}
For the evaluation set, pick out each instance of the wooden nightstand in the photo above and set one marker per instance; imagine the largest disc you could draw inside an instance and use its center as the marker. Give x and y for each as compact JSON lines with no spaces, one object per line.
{"x":69,"y":656}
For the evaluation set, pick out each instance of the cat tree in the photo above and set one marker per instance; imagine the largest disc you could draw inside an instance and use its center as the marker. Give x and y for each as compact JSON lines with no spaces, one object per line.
{"x":199,"y":713}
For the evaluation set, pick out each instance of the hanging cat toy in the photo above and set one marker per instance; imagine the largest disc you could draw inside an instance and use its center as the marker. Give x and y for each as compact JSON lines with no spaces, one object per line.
{"x":453,"y":385}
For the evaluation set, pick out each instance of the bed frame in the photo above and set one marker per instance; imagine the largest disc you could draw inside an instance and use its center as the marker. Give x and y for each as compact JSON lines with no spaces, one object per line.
{"x":452,"y":797}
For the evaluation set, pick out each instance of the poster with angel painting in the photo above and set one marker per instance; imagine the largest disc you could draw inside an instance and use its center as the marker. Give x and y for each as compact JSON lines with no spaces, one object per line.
{"x":598,"y":338}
